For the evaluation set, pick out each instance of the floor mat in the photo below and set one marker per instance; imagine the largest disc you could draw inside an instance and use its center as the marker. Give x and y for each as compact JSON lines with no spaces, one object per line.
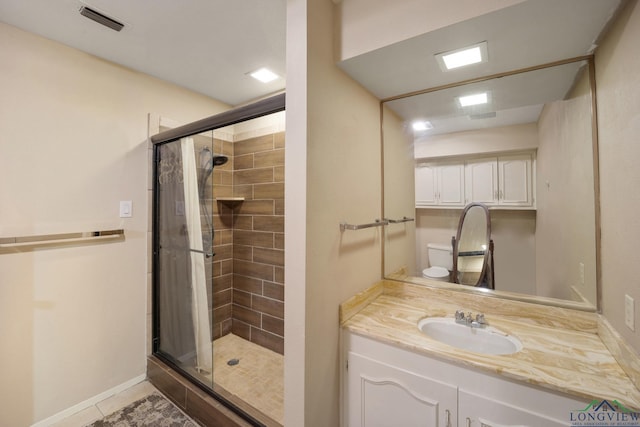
{"x":154,"y":410}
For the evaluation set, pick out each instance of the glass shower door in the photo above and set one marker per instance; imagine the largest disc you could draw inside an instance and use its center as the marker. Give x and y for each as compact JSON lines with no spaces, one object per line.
{"x":183,"y":251}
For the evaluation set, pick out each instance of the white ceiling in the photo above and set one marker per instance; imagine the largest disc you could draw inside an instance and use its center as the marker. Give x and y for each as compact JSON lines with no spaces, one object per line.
{"x":207,"y":46}
{"x":523,"y":35}
{"x":526,"y":34}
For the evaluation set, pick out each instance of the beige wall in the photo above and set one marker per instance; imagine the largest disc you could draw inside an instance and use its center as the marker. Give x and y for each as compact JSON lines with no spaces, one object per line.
{"x":492,"y":140}
{"x":73,"y":132}
{"x":399,"y":195}
{"x":618,"y":90}
{"x":565,"y":222}
{"x":333,"y":133}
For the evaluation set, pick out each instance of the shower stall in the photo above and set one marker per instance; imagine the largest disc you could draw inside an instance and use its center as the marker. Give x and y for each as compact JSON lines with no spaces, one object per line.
{"x":218,"y":256}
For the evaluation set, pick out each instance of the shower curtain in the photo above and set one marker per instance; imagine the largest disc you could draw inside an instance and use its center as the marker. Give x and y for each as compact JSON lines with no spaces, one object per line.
{"x":199,"y":308}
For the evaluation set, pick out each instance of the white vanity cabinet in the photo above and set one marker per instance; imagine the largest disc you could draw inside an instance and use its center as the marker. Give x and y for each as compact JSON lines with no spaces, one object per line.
{"x":386,"y":396}
{"x":500,"y":181}
{"x":439,"y":184}
{"x":387,"y":386}
{"x":475,"y":410}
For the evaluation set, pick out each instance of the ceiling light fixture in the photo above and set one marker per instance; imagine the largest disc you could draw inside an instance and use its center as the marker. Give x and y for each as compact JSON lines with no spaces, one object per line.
{"x":98,"y":17}
{"x":421,"y":125}
{"x":462,"y":57}
{"x":475,"y":99}
{"x":264,"y":75}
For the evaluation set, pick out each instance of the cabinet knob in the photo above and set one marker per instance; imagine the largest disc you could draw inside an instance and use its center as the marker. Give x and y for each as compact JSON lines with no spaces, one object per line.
{"x":447,"y":418}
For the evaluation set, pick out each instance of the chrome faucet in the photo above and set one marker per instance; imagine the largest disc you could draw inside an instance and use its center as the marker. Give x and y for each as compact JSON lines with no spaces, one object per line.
{"x":477,"y":322}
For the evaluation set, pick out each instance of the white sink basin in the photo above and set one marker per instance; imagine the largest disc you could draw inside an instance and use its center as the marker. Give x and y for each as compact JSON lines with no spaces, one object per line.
{"x":487,"y":340}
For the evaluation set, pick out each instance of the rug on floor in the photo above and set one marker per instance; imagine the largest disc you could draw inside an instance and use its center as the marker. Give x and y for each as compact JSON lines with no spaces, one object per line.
{"x":153,"y":410}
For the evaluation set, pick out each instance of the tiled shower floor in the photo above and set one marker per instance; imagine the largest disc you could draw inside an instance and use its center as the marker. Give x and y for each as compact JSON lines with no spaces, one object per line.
{"x":257,"y":379}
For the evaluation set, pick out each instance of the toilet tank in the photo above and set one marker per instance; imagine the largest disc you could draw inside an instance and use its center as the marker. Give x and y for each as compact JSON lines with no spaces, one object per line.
{"x":440,"y":255}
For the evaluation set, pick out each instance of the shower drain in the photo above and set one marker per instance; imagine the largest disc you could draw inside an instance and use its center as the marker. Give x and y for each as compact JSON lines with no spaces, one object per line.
{"x":233,"y":362}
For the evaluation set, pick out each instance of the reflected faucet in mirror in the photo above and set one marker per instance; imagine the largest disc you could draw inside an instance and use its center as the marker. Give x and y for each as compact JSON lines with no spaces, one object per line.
{"x":473,"y":248}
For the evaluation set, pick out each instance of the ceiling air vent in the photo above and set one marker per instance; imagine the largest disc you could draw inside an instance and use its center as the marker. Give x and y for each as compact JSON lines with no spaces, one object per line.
{"x":100,"y":18}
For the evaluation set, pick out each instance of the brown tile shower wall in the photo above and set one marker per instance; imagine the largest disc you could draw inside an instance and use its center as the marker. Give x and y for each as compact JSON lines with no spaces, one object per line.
{"x":258,"y":241}
{"x":221,"y":294}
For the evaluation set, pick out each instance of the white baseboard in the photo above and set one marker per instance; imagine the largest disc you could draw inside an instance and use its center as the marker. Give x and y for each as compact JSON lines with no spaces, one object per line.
{"x":89,"y":402}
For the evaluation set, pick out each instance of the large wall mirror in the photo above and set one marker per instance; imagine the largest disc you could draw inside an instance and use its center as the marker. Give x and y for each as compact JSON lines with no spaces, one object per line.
{"x":524,"y":144}
{"x":526,"y":151}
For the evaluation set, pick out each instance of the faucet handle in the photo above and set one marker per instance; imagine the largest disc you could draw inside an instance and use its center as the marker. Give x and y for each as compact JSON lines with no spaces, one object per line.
{"x":480,"y":319}
{"x":459,"y":315}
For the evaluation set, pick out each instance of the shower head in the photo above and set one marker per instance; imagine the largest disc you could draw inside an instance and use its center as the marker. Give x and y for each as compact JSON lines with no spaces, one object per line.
{"x":205,"y":158}
{"x":208,"y":161}
{"x":219,"y":160}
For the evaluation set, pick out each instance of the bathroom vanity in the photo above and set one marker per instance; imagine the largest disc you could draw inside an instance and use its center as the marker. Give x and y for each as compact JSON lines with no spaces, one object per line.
{"x":394,"y":374}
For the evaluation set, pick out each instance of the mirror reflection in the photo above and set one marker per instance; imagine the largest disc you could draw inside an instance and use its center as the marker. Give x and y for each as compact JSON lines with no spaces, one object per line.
{"x":525,"y":150}
{"x":473,"y":247}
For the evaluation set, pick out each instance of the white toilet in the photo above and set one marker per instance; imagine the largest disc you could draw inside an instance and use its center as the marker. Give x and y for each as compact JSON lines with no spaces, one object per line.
{"x":440,"y":261}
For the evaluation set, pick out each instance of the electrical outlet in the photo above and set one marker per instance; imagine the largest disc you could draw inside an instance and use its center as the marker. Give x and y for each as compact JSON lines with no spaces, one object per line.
{"x":629,"y":312}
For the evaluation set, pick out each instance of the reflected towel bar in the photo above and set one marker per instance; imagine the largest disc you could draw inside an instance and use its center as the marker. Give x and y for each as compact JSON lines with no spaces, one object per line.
{"x":55,"y":239}
{"x":398,"y":221}
{"x":378,"y":223}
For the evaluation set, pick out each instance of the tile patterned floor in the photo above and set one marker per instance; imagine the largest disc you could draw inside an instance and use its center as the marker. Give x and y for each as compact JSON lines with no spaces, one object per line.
{"x":257,"y":379}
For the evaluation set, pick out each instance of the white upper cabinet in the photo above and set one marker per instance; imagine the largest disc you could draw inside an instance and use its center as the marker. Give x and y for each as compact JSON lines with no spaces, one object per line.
{"x":440,"y":184}
{"x":426,"y":188}
{"x":515,"y":180}
{"x":503,"y":181}
{"x":481,"y":181}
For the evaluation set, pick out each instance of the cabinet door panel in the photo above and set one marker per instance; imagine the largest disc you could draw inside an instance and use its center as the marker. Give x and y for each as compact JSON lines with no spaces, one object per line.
{"x":515,"y":180}
{"x":481,"y":181}
{"x":384,"y":396}
{"x":425,"y":183}
{"x":451,"y":185}
{"x":478,"y":411}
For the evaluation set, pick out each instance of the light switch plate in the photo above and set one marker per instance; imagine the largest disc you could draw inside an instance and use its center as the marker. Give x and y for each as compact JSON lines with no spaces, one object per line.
{"x":126,"y":209}
{"x":629,"y":312}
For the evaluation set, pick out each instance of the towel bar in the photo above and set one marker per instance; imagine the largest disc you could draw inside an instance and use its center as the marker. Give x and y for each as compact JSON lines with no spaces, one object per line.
{"x":397,"y":221}
{"x":378,"y":223}
{"x":55,"y":239}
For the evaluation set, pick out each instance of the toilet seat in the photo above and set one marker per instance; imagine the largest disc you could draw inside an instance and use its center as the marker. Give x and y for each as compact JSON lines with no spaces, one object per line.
{"x":436,"y":273}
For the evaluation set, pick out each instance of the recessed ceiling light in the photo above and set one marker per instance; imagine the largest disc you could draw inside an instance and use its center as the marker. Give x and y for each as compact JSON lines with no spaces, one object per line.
{"x":461,"y":57}
{"x":421,"y":125}
{"x":475,"y":99}
{"x":264,"y":75}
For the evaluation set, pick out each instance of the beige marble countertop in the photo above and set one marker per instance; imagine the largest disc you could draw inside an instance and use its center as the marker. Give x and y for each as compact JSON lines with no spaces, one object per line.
{"x":562,"y":350}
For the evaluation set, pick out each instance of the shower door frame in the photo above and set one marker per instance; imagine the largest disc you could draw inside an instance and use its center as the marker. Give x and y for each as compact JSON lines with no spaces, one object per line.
{"x":264,"y":107}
